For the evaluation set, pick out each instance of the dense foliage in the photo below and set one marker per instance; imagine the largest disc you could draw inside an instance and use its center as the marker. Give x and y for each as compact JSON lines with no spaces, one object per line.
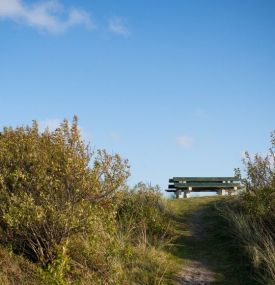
{"x":68,"y":212}
{"x":145,"y":216}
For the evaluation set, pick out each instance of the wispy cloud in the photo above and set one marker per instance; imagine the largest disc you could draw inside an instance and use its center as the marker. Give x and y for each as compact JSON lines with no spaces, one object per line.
{"x":47,"y":15}
{"x":185,"y":141}
{"x":118,"y":26}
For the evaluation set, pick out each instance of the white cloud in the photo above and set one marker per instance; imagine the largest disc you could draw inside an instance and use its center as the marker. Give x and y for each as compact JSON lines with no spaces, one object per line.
{"x":118,"y":26}
{"x":185,"y":141}
{"x":47,"y":15}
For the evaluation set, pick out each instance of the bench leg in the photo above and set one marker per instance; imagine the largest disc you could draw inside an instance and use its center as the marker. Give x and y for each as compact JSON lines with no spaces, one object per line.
{"x":179,"y":194}
{"x":222,"y":192}
{"x":186,"y":194}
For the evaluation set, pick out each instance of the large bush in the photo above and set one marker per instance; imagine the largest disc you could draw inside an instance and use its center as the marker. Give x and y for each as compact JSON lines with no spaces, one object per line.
{"x":53,"y":191}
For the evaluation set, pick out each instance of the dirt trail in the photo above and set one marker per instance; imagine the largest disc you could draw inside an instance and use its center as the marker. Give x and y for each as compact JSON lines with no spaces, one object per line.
{"x":197,"y":272}
{"x":205,"y":249}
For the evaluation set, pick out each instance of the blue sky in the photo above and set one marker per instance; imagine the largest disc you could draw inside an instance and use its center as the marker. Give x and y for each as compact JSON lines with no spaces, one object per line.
{"x":180,"y":88}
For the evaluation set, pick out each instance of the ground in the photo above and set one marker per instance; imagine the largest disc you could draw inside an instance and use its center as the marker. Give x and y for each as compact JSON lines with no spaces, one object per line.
{"x":205,"y":248}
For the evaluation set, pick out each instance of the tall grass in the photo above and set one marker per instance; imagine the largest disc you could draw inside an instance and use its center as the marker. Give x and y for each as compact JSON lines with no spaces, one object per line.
{"x":145,"y":228}
{"x":254,"y":238}
{"x":252,"y":215}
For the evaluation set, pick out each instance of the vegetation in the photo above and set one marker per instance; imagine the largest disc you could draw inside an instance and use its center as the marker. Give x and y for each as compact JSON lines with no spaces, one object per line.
{"x":205,"y":247}
{"x":252,"y":215}
{"x":67,"y":216}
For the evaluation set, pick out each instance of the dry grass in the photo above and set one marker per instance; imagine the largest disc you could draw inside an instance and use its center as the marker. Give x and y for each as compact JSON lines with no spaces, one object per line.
{"x":15,"y":270}
{"x":255,"y":238}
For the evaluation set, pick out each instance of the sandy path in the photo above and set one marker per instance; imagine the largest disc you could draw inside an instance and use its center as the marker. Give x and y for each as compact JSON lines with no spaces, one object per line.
{"x":196,"y":272}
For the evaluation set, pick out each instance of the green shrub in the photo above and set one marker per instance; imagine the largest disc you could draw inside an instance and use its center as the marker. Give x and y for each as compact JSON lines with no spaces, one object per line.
{"x":52,"y":192}
{"x":144,"y":216}
{"x":260,"y":181}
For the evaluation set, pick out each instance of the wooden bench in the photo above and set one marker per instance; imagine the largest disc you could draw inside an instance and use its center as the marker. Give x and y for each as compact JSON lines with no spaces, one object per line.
{"x":182,"y":186}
